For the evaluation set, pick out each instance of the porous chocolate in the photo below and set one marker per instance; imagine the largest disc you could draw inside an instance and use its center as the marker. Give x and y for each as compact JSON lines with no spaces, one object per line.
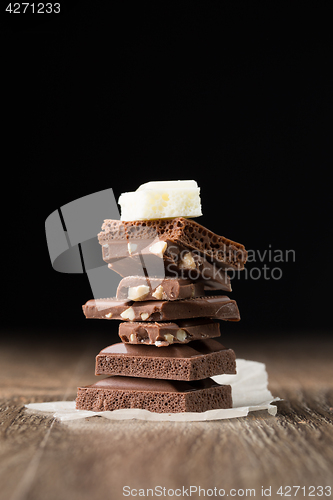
{"x":159,"y":396}
{"x":186,"y":233}
{"x":198,"y":360}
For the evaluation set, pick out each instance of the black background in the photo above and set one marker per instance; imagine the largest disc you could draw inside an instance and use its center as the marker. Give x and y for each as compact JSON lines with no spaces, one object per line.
{"x":234,"y":95}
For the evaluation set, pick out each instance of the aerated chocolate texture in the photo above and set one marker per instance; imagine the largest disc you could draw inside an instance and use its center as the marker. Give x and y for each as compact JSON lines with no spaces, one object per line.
{"x":159,"y":396}
{"x":180,"y":231}
{"x":195,"y":361}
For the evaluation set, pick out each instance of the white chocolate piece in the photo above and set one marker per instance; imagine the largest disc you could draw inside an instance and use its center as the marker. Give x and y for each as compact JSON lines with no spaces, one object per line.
{"x":138,"y":292}
{"x":161,"y":200}
{"x":128,"y":314}
{"x":158,"y":248}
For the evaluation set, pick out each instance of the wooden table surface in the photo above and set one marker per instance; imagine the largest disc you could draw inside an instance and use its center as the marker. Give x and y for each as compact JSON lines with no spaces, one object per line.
{"x":44,"y":459}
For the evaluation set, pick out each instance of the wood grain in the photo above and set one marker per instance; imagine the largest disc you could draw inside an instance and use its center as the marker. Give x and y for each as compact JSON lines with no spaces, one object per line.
{"x":43,"y":459}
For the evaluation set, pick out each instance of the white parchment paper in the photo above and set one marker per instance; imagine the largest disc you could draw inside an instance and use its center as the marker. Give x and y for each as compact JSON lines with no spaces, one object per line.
{"x":249,"y":393}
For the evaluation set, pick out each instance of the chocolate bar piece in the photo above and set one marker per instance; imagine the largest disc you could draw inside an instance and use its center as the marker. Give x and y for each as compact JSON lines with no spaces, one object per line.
{"x":164,"y":334}
{"x":161,"y":199}
{"x":159,"y":396}
{"x":219,"y":307}
{"x":175,"y":262}
{"x":127,"y":237}
{"x":143,"y":288}
{"x":195,"y":361}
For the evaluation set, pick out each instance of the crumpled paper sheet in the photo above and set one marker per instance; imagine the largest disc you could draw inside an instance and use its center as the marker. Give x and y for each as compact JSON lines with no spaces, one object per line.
{"x":249,"y":393}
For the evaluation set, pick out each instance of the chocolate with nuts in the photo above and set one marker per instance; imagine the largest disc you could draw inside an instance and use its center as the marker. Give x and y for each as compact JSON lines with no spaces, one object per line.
{"x":164,"y":334}
{"x":219,"y":307}
{"x":171,"y":261}
{"x":145,"y":288}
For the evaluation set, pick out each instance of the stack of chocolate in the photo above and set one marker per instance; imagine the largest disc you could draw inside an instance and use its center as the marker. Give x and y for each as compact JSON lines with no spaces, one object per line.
{"x":169,"y":302}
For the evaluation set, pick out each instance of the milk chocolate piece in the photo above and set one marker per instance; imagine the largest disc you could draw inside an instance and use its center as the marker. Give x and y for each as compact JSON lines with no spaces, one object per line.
{"x":194,"y":361}
{"x":175,"y":262}
{"x":219,"y":307}
{"x":164,"y":334}
{"x":158,"y":288}
{"x":159,"y":396}
{"x":178,"y":232}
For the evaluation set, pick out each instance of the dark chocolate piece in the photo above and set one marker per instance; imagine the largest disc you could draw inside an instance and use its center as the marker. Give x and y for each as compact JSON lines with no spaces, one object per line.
{"x":179,"y":232}
{"x":219,"y":307}
{"x":164,"y":334}
{"x":195,"y":361}
{"x":158,"y":288}
{"x":159,"y":396}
